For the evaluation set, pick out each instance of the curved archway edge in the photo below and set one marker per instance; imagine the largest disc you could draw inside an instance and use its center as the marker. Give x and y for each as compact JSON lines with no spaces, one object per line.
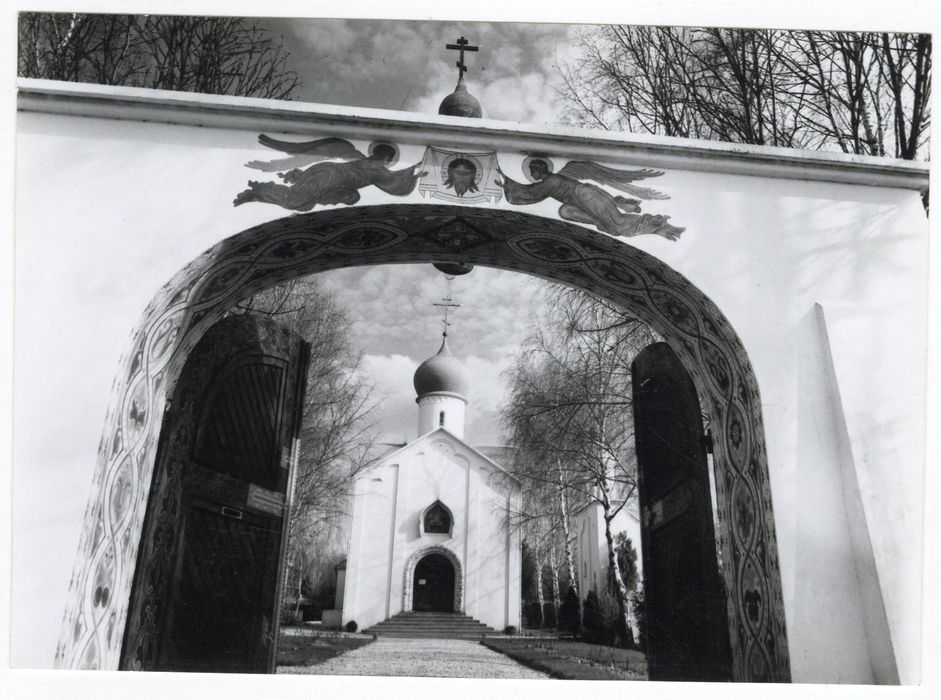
{"x":304,"y":244}
{"x":408,"y":584}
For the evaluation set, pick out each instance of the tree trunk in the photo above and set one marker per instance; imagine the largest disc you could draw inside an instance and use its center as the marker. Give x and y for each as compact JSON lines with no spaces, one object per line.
{"x":619,"y":587}
{"x":554,"y":579}
{"x":537,"y":555}
{"x":566,"y":534}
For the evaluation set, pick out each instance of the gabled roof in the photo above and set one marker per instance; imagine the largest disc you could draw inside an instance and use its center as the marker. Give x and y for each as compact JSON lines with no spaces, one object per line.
{"x":427,"y":437}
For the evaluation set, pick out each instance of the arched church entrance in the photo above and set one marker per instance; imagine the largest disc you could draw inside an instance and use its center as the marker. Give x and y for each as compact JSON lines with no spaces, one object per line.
{"x":433,"y":588}
{"x":201,"y":293}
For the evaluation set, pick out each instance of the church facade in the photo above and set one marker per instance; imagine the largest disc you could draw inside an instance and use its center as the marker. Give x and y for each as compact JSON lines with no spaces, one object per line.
{"x":432,"y":522}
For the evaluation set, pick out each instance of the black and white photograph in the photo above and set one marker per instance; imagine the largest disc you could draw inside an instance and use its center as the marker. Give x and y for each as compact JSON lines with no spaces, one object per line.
{"x":498,"y":349}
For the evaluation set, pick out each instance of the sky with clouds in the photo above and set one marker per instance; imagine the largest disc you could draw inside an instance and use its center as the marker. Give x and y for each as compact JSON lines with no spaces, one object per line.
{"x":396,"y":327}
{"x":404,"y":64}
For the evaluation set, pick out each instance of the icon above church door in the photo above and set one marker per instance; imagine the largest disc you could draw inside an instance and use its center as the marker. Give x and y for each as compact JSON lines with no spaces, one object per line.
{"x":434,"y":585}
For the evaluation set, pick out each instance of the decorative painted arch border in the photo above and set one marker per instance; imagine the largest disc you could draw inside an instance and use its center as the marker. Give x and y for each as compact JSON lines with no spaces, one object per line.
{"x":300,"y":245}
{"x":408,"y":585}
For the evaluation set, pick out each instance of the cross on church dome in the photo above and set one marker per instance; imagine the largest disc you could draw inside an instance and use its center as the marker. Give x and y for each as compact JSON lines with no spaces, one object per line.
{"x":461,"y":103}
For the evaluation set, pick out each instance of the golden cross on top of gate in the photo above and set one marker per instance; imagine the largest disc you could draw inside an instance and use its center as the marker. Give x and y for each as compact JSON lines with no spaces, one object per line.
{"x":446,"y":303}
{"x":462,"y":45}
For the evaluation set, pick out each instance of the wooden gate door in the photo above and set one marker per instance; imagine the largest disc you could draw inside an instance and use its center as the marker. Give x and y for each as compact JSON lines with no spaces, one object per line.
{"x":687,"y":634}
{"x":434,"y":584}
{"x":207,"y":586}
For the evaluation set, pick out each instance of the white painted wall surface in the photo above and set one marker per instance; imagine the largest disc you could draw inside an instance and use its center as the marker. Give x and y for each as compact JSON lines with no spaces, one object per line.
{"x":387,"y":508}
{"x":592,"y":550}
{"x":108,"y":210}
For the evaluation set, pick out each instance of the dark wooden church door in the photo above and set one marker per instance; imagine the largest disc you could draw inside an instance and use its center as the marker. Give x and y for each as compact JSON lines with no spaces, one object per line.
{"x":210,"y":572}
{"x":434,"y":584}
{"x":687,"y":633}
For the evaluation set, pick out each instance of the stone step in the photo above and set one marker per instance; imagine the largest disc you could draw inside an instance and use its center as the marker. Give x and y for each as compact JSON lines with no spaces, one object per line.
{"x":434,"y":625}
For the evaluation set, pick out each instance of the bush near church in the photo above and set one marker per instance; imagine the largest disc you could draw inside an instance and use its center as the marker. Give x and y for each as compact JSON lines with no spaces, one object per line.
{"x":534,"y":618}
{"x":569,"y":614}
{"x":640,"y":615}
{"x":549,"y":616}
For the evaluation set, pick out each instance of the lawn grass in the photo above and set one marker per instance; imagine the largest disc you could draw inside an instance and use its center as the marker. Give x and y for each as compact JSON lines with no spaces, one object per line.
{"x":572,"y":660}
{"x":311,"y":648}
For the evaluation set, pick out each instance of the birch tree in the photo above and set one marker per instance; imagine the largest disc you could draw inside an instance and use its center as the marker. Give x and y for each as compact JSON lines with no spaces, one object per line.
{"x":857,"y":92}
{"x":570,"y":415}
{"x":216,"y":55}
{"x":336,"y":432}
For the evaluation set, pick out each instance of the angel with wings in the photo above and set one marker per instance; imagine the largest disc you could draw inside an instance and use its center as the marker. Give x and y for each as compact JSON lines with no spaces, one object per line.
{"x":586,"y":203}
{"x":335,"y":182}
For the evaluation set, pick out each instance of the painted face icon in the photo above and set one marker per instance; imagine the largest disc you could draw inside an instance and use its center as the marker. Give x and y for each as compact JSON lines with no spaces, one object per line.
{"x":462,"y":174}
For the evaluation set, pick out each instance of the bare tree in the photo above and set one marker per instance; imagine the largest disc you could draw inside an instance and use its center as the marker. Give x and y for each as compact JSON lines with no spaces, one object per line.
{"x":217,"y":55}
{"x":863,"y":93}
{"x":570,"y":415}
{"x":336,"y":433}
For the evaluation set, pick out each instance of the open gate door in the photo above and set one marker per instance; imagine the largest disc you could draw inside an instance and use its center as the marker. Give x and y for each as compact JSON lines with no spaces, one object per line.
{"x":687,"y":635}
{"x":207,"y":584}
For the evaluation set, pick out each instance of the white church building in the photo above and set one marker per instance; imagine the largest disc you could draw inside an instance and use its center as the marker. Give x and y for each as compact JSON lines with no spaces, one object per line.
{"x":432,"y":521}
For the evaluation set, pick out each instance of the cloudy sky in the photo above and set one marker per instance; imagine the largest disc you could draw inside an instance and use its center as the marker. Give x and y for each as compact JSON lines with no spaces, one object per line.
{"x":404,"y":64}
{"x":397,"y":327}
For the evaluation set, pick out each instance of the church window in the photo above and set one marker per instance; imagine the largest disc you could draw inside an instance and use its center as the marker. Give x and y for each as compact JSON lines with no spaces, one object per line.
{"x":437,"y":519}
{"x":441,"y":419}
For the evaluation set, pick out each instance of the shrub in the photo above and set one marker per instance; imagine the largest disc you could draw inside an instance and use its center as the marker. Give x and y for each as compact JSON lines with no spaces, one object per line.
{"x":509,"y":629}
{"x":569,"y":614}
{"x":351,"y":626}
{"x":593,"y":622}
{"x":534,"y":615}
{"x":640,"y":614}
{"x":549,"y":617}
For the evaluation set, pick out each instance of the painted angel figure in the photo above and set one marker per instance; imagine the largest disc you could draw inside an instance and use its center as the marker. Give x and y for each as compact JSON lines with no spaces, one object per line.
{"x":327,"y":182}
{"x":586,"y":203}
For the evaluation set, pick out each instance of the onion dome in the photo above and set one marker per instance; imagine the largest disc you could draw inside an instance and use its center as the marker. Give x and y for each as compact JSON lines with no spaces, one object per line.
{"x":461,"y":103}
{"x":441,"y":374}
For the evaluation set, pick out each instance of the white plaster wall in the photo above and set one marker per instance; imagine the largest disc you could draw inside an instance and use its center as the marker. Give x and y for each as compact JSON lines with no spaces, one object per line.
{"x":107,"y":211}
{"x":430,"y":407}
{"x":592,"y":550}
{"x":386,"y":519}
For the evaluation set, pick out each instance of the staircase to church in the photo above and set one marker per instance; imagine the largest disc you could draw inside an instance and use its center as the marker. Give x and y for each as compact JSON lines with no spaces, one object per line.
{"x":431,"y":625}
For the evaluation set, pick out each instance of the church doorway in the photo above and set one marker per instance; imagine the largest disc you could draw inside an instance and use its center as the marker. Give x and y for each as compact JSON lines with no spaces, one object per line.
{"x":434,"y":585}
{"x":687,"y":635}
{"x":206,"y":587}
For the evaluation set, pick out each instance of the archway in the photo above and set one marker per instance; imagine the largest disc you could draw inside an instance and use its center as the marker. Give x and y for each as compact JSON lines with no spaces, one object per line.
{"x":433,"y":585}
{"x":303,"y":244}
{"x":442,"y":559}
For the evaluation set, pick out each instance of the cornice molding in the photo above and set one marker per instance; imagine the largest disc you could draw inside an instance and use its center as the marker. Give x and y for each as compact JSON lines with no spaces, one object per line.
{"x":253,"y":114}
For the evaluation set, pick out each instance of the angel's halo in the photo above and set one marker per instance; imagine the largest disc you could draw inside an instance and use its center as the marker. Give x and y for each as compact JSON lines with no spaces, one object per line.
{"x":395,"y":150}
{"x":529,"y":159}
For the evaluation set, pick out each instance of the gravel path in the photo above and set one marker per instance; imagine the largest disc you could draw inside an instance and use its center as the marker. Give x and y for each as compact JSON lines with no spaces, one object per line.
{"x":449,"y":658}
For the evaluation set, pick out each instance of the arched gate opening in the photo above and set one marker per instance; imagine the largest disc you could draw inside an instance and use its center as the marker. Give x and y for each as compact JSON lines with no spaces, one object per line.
{"x":198,"y":296}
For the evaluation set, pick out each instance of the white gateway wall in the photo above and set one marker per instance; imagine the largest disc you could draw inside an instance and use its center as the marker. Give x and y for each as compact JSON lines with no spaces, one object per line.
{"x":818,"y":261}
{"x":386,"y":532}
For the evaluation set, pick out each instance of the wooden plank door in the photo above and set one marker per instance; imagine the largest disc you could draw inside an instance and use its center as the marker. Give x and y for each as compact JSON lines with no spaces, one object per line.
{"x":687,"y":635}
{"x":217,"y":515}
